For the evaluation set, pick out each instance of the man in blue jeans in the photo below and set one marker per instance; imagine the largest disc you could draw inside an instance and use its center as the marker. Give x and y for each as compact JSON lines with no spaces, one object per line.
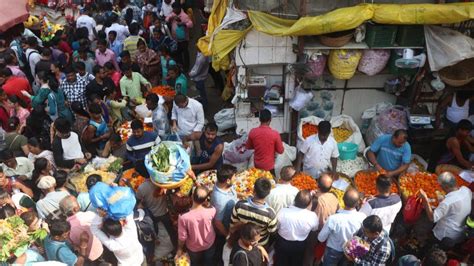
{"x":339,"y":228}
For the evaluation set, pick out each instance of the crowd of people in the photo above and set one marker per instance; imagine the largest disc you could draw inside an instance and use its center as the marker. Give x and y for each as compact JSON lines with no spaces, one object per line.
{"x":62,"y":101}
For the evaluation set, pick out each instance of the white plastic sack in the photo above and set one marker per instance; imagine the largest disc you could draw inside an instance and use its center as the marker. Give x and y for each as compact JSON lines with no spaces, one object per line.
{"x":310,"y":119}
{"x":300,"y":99}
{"x":347,"y":122}
{"x":235,"y":152}
{"x":225,"y":119}
{"x":284,"y":159}
{"x":413,"y":167}
{"x":447,"y":47}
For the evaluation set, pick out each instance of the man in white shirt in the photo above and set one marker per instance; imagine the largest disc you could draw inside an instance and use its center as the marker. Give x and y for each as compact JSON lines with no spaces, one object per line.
{"x":340,"y":227}
{"x":84,"y":20}
{"x":121,"y":30}
{"x":21,"y":167}
{"x":295,"y":224}
{"x":451,"y":213}
{"x":283,"y":195}
{"x":32,"y":54}
{"x":52,"y":198}
{"x":187,"y":118}
{"x":166,"y":8}
{"x":120,"y":237}
{"x":385,"y":204}
{"x":319,"y":152}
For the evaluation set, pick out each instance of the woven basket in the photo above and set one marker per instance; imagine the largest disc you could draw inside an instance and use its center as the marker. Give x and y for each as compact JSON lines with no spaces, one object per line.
{"x":337,"y":39}
{"x":448,"y":168}
{"x":170,"y":185}
{"x":459,"y":74}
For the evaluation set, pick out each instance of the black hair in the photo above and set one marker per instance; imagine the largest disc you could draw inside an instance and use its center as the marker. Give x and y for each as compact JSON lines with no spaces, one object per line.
{"x":134,"y":28}
{"x":102,"y":42}
{"x":43,"y":76}
{"x":136,"y":124}
{"x":6,"y":155}
{"x":62,"y":125}
{"x":248,"y":231}
{"x":6,"y":72}
{"x":113,"y":33}
{"x":265,"y":116}
{"x":13,"y":122}
{"x":303,"y":199}
{"x":176,"y":5}
{"x":383,"y":183}
{"x":61,"y":178}
{"x":92,"y":180}
{"x":32,"y":41}
{"x":464,"y":124}
{"x":79,"y":66}
{"x":53,"y":84}
{"x":211,"y":126}
{"x":126,"y":67}
{"x":180,"y":98}
{"x":76,"y":107}
{"x":34,"y":142}
{"x":226,"y":172}
{"x":262,"y":187}
{"x":324,"y":128}
{"x":68,"y":70}
{"x":96,"y":69}
{"x":95,"y":108}
{"x":373,"y":224}
{"x":109,"y":66}
{"x":140,"y":42}
{"x":9,"y":59}
{"x":112,"y":227}
{"x":200,"y":194}
{"x":29,"y":217}
{"x":7,"y":211}
{"x":46,"y":52}
{"x":153,"y":98}
{"x":39,"y":165}
{"x":349,"y":199}
{"x":125,"y":53}
{"x":400,"y":132}
{"x":58,"y":227}
{"x":115,"y":137}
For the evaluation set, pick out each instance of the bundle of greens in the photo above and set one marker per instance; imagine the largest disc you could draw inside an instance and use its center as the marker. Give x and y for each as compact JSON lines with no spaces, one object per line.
{"x":161,"y":158}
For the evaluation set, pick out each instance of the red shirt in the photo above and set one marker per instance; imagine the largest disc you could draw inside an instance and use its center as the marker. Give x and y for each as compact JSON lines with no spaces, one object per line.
{"x":64,"y":46}
{"x":14,"y":86}
{"x":265,"y":141}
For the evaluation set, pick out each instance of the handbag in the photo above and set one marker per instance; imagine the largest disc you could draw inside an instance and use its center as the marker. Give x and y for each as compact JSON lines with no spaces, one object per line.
{"x":412,"y":210}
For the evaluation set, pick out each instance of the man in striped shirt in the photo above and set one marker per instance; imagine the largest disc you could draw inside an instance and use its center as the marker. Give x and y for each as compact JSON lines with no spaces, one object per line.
{"x":140,"y":143}
{"x":255,"y":210}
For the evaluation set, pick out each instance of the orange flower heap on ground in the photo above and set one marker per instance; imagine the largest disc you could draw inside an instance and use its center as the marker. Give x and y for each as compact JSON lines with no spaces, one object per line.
{"x":309,"y":130}
{"x":365,"y":182}
{"x":304,"y":181}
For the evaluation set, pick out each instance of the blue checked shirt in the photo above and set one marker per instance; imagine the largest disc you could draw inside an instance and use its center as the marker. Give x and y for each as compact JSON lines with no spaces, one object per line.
{"x":379,"y":253}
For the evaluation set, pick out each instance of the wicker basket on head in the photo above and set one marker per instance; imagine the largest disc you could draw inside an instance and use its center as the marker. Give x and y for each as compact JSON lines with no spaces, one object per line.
{"x":172,"y":185}
{"x":336,"y":39}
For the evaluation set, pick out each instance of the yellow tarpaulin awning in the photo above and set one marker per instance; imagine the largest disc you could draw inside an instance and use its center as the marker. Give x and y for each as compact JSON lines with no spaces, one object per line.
{"x":338,"y":20}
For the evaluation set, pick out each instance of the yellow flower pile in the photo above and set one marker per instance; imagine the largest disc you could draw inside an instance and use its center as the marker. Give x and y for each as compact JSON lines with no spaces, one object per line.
{"x":341,"y":134}
{"x":245,"y":181}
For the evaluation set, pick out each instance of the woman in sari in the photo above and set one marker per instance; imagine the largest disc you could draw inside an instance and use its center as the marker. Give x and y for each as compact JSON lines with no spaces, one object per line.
{"x":149,"y":62}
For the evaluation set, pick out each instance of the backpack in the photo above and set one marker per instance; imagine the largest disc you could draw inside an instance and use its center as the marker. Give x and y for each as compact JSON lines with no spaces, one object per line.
{"x":240,"y":252}
{"x":145,"y":226}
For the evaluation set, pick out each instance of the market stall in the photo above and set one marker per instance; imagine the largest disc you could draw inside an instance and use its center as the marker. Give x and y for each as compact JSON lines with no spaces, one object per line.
{"x":12,"y":13}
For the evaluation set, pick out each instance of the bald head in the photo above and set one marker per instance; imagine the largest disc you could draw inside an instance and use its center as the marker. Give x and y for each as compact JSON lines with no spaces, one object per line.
{"x":287,"y":173}
{"x":325,"y":182}
{"x":200,"y":195}
{"x":69,"y":205}
{"x":351,"y":198}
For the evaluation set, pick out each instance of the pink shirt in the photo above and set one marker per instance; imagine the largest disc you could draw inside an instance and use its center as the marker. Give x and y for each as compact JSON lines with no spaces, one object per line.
{"x":196,"y":230}
{"x":21,"y":113}
{"x":80,"y":222}
{"x":265,"y":141}
{"x":16,"y":71}
{"x":184,"y":20}
{"x":108,"y":55}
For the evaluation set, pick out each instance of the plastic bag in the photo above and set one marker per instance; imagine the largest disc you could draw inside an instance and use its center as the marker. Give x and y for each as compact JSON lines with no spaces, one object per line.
{"x":310,"y":119}
{"x":301,"y":98}
{"x":179,"y":163}
{"x":447,"y":47}
{"x":285,"y":159}
{"x":117,"y":201}
{"x":412,"y":210}
{"x":316,"y":64}
{"x":347,"y":122}
{"x":373,"y":61}
{"x":225,"y":119}
{"x":236,"y":152}
{"x":343,"y":63}
{"x":392,"y":119}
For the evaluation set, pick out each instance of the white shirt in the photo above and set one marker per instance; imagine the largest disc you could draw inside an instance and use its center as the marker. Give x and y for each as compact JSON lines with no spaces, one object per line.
{"x":48,"y":155}
{"x":317,"y":156}
{"x":50,"y":203}
{"x":295,"y":224}
{"x":23,"y":167}
{"x":190,"y":118}
{"x":72,"y":147}
{"x":340,"y":227}
{"x":121,"y":30}
{"x":33,"y":57}
{"x":386,"y":208}
{"x":88,"y":22}
{"x":451,"y":213}
{"x":282,"y":196}
{"x":166,"y":9}
{"x":126,"y":248}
